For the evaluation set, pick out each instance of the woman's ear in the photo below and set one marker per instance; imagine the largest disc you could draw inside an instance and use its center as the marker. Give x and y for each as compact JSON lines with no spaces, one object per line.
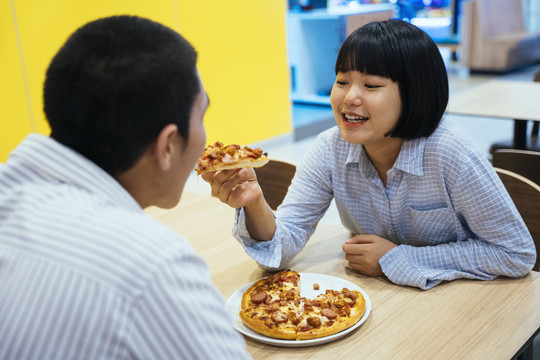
{"x":166,"y":144}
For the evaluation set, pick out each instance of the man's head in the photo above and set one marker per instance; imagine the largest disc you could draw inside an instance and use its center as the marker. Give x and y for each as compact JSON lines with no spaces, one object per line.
{"x":125,"y":93}
{"x":115,"y":84}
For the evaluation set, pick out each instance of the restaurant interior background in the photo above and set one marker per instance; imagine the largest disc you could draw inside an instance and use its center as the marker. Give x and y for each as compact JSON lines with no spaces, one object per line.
{"x":242,"y":60}
{"x":267,"y":69}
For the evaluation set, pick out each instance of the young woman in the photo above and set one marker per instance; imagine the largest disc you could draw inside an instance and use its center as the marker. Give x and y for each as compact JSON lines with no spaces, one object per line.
{"x":425,"y":205}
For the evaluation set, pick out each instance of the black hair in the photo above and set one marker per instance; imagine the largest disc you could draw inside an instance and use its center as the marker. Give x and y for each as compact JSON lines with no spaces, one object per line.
{"x":115,"y":84}
{"x":407,"y":55}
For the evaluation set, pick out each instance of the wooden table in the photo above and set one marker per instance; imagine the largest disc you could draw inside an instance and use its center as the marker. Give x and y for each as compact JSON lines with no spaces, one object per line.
{"x":517,"y":100}
{"x":463,"y":319}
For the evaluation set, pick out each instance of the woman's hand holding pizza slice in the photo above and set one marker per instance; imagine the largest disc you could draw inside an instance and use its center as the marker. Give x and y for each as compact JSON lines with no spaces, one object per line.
{"x":229,"y":171}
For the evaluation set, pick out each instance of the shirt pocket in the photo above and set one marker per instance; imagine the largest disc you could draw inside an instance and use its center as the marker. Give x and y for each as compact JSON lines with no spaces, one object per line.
{"x":431,"y":226}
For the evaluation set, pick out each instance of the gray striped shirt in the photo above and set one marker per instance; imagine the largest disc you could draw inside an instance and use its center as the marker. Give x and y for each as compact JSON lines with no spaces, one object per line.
{"x":85,"y":274}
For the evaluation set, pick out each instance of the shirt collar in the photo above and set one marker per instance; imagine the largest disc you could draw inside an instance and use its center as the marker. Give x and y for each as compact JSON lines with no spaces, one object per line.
{"x":357,"y":155}
{"x":57,"y":162}
{"x":410,"y":158}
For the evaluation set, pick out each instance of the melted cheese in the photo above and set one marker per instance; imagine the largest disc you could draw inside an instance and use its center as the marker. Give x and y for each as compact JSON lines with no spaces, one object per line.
{"x":275,"y":297}
{"x":288,"y":285}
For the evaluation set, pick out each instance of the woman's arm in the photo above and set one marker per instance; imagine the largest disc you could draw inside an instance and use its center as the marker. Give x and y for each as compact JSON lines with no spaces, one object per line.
{"x":307,"y":200}
{"x":499,"y":243}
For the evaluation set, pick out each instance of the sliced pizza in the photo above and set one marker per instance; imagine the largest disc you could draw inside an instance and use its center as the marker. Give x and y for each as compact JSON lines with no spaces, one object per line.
{"x":273,"y":307}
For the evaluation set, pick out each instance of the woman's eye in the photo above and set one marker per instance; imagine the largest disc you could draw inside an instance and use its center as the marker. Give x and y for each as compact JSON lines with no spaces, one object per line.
{"x":339,"y":82}
{"x":372,"y":86}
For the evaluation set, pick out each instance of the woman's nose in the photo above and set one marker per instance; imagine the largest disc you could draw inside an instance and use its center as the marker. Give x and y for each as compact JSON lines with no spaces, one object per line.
{"x":353,"y":96}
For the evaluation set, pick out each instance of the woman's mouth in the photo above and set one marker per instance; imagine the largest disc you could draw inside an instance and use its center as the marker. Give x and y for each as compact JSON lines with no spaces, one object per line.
{"x":354,"y":120}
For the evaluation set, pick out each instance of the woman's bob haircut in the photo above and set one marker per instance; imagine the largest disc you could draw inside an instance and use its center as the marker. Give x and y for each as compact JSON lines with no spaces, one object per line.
{"x":405,"y":54}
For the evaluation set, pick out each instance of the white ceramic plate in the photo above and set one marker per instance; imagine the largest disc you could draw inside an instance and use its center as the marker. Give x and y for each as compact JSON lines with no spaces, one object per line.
{"x":233,"y":307}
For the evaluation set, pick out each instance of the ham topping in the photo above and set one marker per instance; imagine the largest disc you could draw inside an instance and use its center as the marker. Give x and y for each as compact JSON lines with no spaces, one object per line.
{"x":314,"y":321}
{"x":279,"y":317}
{"x":258,"y":298}
{"x":329,"y":313}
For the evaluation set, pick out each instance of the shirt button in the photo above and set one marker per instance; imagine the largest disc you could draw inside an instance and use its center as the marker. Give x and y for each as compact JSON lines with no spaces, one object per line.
{"x":389,"y":232}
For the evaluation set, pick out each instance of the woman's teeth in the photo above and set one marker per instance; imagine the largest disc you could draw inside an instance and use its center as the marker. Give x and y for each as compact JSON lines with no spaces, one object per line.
{"x":355,"y":119}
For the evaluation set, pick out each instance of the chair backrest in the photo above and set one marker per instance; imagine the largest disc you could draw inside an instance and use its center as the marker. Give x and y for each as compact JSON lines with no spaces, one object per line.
{"x":526,"y":197}
{"x":500,"y":17}
{"x":490,"y":31}
{"x":274,"y":179}
{"x":523,"y":162}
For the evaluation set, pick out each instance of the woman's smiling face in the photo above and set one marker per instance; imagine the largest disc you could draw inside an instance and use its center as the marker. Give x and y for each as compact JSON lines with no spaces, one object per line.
{"x":366,"y":107}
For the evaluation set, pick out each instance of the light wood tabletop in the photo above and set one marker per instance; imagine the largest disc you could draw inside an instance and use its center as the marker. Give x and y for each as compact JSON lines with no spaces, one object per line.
{"x":463,"y":319}
{"x":514,"y":100}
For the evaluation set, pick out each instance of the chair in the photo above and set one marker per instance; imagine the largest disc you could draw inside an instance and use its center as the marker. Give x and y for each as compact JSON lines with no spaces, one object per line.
{"x":526,"y":197}
{"x":532,"y":142}
{"x":274,"y":179}
{"x":536,"y":125}
{"x":494,"y":37}
{"x":522,"y":162}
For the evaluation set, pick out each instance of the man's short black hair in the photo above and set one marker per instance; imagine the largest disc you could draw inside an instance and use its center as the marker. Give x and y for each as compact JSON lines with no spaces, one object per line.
{"x":407,"y":55}
{"x":115,"y":84}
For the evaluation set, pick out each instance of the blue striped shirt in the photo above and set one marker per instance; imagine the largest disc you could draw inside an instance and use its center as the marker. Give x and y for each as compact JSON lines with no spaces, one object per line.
{"x":444,"y":205}
{"x":86,"y":274}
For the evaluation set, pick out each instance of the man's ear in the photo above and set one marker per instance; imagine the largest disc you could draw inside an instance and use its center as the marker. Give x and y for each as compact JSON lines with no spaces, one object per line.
{"x":166,"y":145}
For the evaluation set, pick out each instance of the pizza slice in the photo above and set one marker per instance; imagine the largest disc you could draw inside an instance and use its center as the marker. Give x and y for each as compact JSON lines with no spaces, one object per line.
{"x":267,"y":305}
{"x":219,"y":157}
{"x":330,"y":313}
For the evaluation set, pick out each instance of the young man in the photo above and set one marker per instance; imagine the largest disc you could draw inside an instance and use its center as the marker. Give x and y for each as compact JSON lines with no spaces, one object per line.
{"x":84,"y":273}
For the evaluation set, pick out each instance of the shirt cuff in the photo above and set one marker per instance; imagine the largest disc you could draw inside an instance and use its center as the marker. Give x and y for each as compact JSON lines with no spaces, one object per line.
{"x":397,"y":267}
{"x":266,"y":253}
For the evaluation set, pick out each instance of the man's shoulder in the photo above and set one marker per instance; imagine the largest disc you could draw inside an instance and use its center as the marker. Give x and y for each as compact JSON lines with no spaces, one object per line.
{"x":131,"y":229}
{"x":99,"y":240}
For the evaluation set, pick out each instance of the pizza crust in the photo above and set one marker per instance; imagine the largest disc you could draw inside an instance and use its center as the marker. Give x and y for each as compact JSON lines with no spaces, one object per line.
{"x":240,"y":164}
{"x":276,"y":332}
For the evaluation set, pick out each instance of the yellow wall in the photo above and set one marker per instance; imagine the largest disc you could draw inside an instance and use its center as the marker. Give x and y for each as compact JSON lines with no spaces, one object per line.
{"x":242,"y":60}
{"x":243,"y":64}
{"x":14,"y":111}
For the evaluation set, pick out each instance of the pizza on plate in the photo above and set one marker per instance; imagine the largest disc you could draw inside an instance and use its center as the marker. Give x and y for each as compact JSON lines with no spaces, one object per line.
{"x":273,"y":307}
{"x":219,"y":157}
